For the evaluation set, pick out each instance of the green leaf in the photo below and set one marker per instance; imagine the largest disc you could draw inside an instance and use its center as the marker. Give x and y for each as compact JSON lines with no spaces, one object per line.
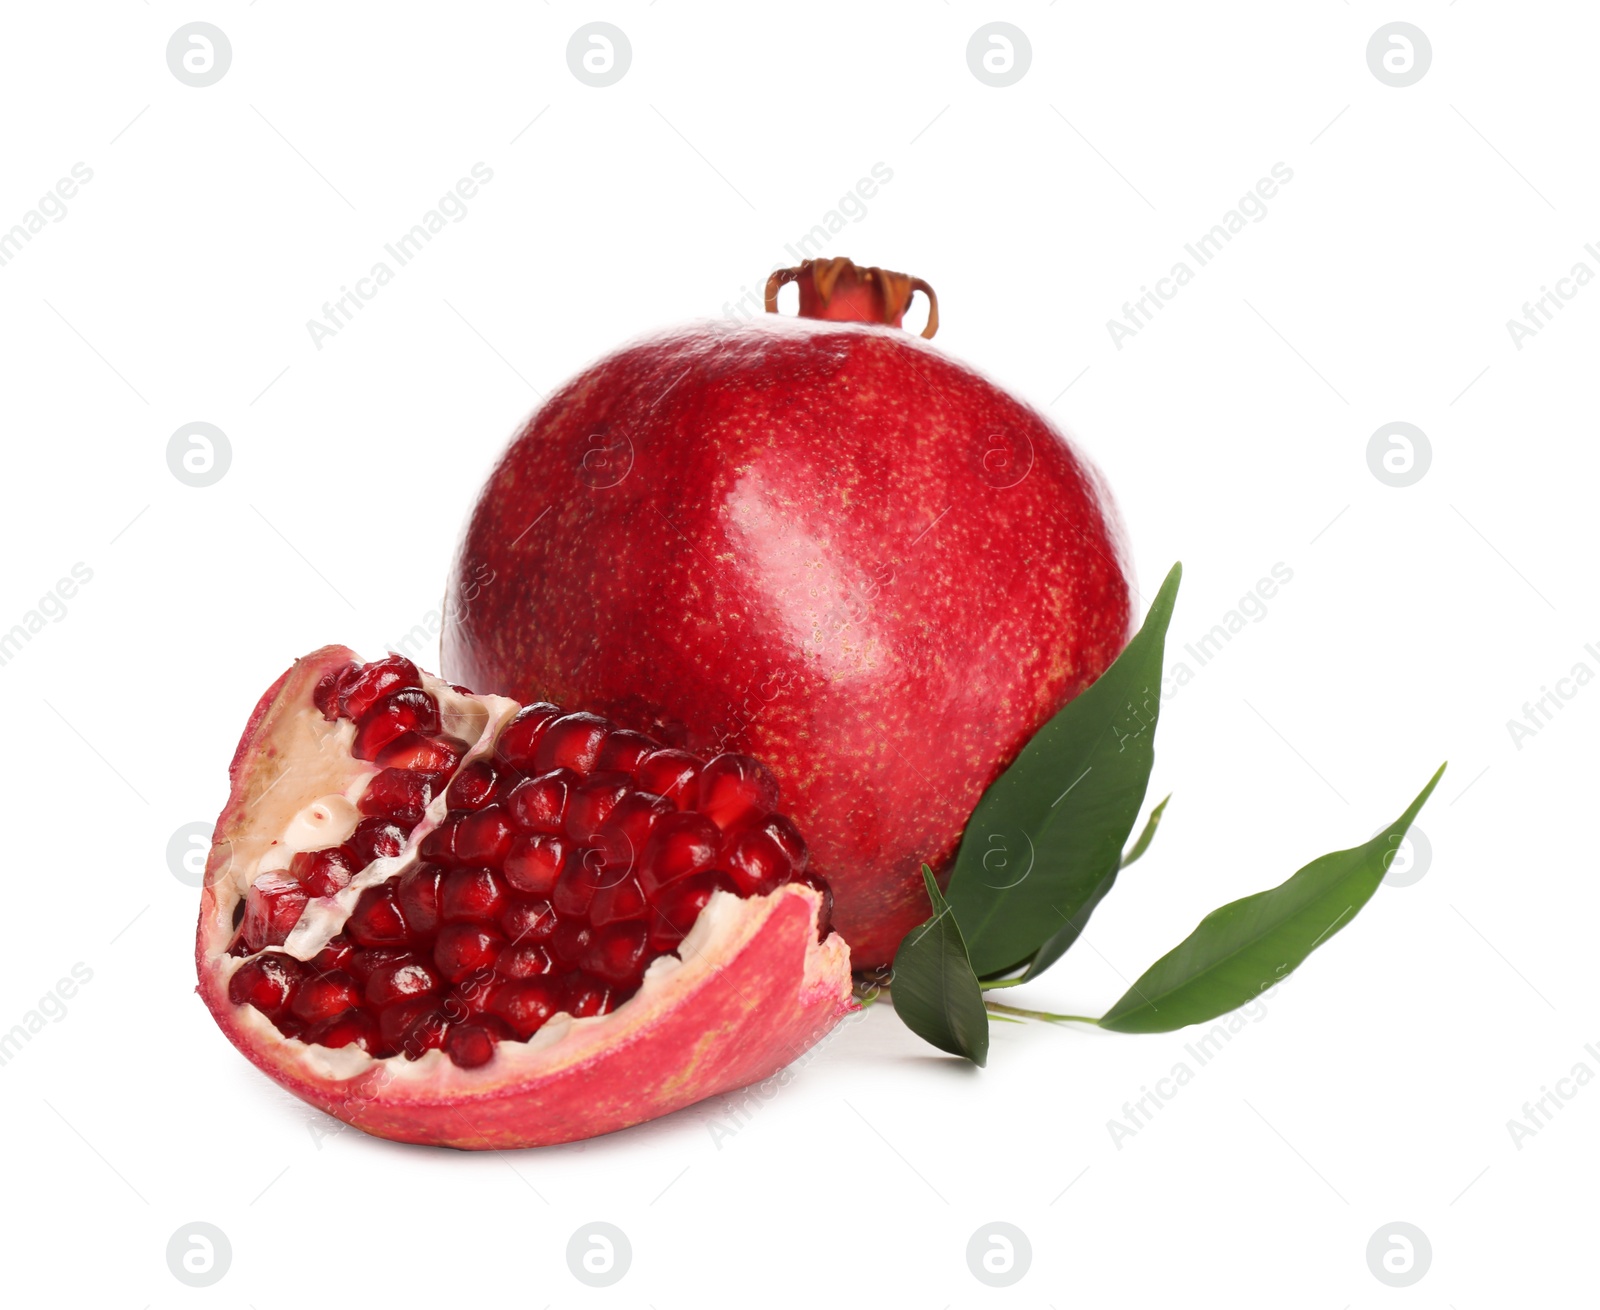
{"x":1149,"y":833}
{"x":1067,"y":936}
{"x":1063,"y":941}
{"x":934,"y":988}
{"x":1243,"y":948}
{"x":1063,"y":810}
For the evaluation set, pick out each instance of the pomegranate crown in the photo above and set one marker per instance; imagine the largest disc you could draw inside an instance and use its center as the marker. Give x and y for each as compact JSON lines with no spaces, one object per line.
{"x":845,"y":291}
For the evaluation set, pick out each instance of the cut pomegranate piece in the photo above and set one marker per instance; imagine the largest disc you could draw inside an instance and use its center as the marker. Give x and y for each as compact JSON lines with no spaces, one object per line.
{"x":505,"y":943}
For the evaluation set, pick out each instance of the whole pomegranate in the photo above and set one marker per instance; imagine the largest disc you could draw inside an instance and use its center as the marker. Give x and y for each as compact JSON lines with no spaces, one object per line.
{"x":816,"y":540}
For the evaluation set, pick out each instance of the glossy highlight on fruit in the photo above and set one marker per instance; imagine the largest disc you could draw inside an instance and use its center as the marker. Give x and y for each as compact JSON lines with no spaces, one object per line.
{"x":448,"y":918}
{"x":817,"y":541}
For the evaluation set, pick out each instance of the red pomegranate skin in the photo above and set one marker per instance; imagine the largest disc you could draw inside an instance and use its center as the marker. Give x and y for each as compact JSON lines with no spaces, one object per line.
{"x":827,"y":545}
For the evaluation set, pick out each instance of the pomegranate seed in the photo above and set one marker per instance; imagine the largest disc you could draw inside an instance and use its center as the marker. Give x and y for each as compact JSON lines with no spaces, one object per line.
{"x":363,"y":686}
{"x":411,"y":710}
{"x":570,"y":940}
{"x":376,"y":839}
{"x":272,"y":907}
{"x":572,"y":742}
{"x":413,"y":1027}
{"x":679,"y":906}
{"x":465,"y":948}
{"x":782,"y":830}
{"x":267,"y":982}
{"x":527,"y":1005}
{"x":337,"y":954}
{"x":620,"y":844}
{"x":535,"y":862}
{"x":322,"y":873}
{"x":589,"y":996}
{"x":531,"y":921}
{"x":376,"y":919}
{"x":412,"y":750}
{"x":440,"y":844}
{"x":323,"y":995}
{"x":399,"y":795}
{"x":519,"y":740}
{"x":540,"y":804}
{"x":623,"y":900}
{"x":474,"y":787}
{"x":592,"y":803}
{"x":524,"y":960}
{"x":672,"y":774}
{"x":470,"y":1045}
{"x":471,"y":896}
{"x":682,"y":844}
{"x":756,"y":861}
{"x":363,"y":964}
{"x":418,"y":897}
{"x":617,"y":954}
{"x":326,"y":695}
{"x":400,"y":979}
{"x":736,"y":787}
{"x":473,"y":995}
{"x":352,"y":1028}
{"x":576,"y":887}
{"x":624,"y":749}
{"x":825,"y":914}
{"x":484,"y":837}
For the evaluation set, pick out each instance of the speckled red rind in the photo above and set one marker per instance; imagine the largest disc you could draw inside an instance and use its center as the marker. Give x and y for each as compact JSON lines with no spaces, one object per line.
{"x":828,"y":545}
{"x":762,"y":993}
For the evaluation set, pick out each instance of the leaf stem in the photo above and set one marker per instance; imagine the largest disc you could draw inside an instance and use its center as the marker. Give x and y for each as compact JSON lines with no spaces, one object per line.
{"x":999,"y":982}
{"x":1039,"y":1014}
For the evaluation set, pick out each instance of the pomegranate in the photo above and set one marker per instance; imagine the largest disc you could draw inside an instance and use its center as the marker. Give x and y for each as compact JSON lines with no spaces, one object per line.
{"x":449,"y":918}
{"x":818,"y":540}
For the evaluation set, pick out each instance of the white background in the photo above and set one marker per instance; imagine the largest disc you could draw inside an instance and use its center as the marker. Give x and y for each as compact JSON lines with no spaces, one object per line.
{"x":1375,"y":1087}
